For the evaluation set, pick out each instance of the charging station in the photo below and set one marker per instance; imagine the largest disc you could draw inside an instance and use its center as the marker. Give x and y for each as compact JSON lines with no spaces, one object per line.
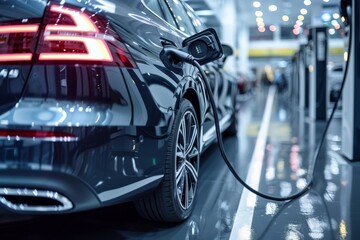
{"x":318,"y":41}
{"x":351,"y":97}
{"x":304,"y":76}
{"x":294,"y":86}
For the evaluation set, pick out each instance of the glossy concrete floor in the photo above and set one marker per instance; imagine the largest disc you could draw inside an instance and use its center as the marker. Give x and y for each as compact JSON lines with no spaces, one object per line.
{"x":273,"y":150}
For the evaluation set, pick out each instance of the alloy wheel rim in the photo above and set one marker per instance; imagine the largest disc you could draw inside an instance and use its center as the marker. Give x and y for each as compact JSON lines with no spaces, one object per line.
{"x":187,"y":160}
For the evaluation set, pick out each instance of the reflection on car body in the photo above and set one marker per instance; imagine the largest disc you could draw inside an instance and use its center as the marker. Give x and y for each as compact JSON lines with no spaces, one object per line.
{"x":89,"y":114}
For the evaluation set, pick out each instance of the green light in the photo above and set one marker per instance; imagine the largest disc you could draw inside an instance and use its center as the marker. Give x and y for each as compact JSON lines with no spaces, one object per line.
{"x":154,"y":161}
{"x":198,"y":49}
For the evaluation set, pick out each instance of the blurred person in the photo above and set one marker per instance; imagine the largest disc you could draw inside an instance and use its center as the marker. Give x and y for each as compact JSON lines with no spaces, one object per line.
{"x":267,"y":76}
{"x":280,"y":80}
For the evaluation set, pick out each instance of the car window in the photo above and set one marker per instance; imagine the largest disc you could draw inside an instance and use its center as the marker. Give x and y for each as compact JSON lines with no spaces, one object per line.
{"x":196,"y":22}
{"x":181,"y":17}
{"x":168,"y":15}
{"x":160,"y":10}
{"x":155,"y":7}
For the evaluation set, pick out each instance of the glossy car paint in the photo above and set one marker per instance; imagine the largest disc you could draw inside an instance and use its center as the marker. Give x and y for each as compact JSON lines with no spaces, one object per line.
{"x":95,"y":131}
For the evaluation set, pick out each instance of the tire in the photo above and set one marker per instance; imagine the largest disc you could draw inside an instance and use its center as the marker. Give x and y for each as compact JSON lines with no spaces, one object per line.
{"x":174,"y":199}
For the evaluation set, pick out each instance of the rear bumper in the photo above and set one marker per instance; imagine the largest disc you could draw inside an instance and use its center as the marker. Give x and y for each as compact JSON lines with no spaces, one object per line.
{"x":105,"y":166}
{"x":56,"y":193}
{"x":80,"y":195}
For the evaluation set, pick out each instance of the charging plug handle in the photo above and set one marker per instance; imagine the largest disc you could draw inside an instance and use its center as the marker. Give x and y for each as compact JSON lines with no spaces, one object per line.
{"x":178,"y":56}
{"x":174,"y":58}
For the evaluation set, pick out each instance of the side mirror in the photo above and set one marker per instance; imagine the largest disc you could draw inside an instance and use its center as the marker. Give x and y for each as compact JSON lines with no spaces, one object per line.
{"x":227,"y":49}
{"x":204,"y":46}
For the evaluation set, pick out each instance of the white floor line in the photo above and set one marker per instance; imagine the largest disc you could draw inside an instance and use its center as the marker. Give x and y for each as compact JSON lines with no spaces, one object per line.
{"x":244,"y":216}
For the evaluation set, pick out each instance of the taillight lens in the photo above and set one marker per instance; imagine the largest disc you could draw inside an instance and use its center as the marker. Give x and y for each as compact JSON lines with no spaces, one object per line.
{"x":60,"y":47}
{"x":17,"y":41}
{"x":37,"y":135}
{"x":68,"y":34}
{"x":72,"y":35}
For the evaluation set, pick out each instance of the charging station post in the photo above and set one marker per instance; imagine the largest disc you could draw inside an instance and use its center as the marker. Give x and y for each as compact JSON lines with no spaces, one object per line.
{"x":304,"y":76}
{"x":318,"y":41}
{"x":351,"y":98}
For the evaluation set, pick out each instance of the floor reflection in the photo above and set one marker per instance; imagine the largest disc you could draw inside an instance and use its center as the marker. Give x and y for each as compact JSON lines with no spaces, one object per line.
{"x":329,"y":210}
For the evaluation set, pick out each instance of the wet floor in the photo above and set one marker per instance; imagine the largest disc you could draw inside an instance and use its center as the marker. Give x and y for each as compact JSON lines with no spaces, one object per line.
{"x":275,"y":155}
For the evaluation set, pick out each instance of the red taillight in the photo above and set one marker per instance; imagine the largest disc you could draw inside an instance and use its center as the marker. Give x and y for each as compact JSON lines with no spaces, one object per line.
{"x":72,"y":35}
{"x":68,"y":34}
{"x":15,"y":57}
{"x":19,"y":28}
{"x":36,"y":135}
{"x":16,"y":42}
{"x":67,"y":48}
{"x":79,"y":21}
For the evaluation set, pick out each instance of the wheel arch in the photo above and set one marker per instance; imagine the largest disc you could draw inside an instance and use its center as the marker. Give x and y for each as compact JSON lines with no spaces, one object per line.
{"x":192,"y":96}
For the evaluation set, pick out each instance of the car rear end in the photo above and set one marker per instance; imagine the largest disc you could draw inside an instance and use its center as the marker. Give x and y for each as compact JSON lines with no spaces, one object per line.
{"x":68,"y":139}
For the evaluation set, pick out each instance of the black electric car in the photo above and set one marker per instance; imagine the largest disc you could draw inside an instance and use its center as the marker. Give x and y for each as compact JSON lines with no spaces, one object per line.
{"x":89,"y":114}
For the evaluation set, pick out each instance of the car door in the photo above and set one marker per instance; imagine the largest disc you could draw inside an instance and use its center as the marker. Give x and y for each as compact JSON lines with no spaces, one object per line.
{"x":221,"y":81}
{"x":190,"y":25}
{"x":146,"y":33}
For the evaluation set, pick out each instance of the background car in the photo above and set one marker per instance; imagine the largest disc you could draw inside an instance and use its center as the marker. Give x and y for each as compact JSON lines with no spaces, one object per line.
{"x":246,"y":82}
{"x":333,"y":87}
{"x":89,"y":114}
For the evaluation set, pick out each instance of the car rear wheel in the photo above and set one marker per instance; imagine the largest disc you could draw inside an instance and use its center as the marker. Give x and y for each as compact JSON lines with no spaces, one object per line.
{"x":173,"y":200}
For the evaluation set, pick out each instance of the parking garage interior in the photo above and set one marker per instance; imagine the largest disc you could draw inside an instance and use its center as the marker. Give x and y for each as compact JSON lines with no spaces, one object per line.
{"x":295,"y":64}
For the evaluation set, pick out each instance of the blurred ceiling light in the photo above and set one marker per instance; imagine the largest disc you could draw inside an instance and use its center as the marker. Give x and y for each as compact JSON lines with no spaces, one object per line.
{"x":261,"y":24}
{"x":326,"y":0}
{"x":326,"y":17}
{"x":256,"y":4}
{"x":285,"y":18}
{"x":335,"y":24}
{"x":300,"y":23}
{"x":307,"y":2}
{"x":336,"y":15}
{"x":331,"y":31}
{"x":301,"y":18}
{"x":272,"y":28}
{"x":272,"y":8}
{"x":261,"y":29}
{"x":296,"y":31}
{"x":303,"y":11}
{"x":259,"y":20}
{"x":259,"y":13}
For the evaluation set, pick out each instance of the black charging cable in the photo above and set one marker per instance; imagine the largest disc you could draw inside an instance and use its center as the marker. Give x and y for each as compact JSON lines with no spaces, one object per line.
{"x":317,"y":151}
{"x":185,"y":57}
{"x":223,"y":153}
